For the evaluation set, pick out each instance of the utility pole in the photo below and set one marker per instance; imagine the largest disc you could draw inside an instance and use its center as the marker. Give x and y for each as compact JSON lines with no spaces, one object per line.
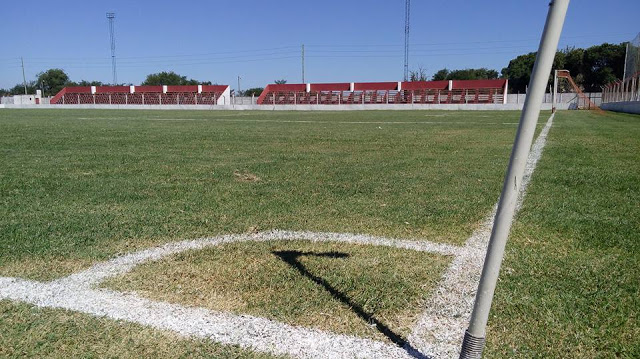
{"x":24,"y":79}
{"x":407,"y":10}
{"x":239,"y":84}
{"x":111,"y":17}
{"x":474,"y":337}
{"x":302,"y":63}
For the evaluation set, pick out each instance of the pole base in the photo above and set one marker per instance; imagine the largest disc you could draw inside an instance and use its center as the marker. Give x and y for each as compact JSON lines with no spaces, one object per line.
{"x":471,"y":347}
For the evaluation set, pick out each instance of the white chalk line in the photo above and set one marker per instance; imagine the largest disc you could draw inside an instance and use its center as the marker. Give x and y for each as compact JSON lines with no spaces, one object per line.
{"x":437,"y":334}
{"x":78,"y":292}
{"x":447,"y":312}
{"x":305,"y":121}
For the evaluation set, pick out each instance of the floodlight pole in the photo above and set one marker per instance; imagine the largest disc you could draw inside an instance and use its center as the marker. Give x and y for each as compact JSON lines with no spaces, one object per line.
{"x":474,"y":337}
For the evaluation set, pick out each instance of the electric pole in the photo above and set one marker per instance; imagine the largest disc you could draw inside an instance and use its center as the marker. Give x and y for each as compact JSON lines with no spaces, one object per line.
{"x":239,"y":85}
{"x":407,"y":10}
{"x":111,"y":17}
{"x":302,"y":63}
{"x":24,"y":79}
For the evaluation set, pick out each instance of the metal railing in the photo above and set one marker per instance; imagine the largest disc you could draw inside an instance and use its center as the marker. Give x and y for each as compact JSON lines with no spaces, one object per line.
{"x":622,"y":91}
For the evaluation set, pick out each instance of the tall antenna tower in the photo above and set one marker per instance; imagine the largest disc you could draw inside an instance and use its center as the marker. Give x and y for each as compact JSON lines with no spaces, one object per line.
{"x":407,"y":10}
{"x":111,"y":16}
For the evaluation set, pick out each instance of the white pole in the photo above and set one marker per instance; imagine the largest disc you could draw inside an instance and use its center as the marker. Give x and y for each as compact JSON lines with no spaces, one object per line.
{"x":555,"y":91}
{"x":474,"y":337}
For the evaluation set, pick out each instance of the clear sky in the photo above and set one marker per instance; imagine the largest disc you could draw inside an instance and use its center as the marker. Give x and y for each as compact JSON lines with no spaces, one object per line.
{"x":345,"y":40}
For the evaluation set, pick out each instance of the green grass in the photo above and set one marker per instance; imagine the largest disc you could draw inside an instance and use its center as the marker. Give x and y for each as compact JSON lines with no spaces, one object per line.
{"x":343,"y":288}
{"x":31,"y":332}
{"x":79,"y":186}
{"x":570,"y":284}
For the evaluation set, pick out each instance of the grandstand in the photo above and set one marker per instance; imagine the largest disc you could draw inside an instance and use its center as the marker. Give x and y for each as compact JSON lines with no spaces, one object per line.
{"x":418,"y":92}
{"x":144,"y":95}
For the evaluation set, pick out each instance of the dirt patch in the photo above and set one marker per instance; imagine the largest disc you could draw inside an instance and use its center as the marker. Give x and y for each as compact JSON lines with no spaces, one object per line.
{"x":245,"y":176}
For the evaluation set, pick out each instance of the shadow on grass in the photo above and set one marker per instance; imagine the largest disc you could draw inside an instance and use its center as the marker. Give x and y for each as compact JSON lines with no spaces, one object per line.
{"x":291,"y":258}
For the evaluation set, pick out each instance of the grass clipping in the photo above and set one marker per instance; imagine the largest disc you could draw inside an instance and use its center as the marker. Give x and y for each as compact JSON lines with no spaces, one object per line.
{"x":368,"y":291}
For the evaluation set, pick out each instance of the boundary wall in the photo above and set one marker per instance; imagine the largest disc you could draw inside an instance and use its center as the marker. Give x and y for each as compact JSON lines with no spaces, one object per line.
{"x":358,"y":107}
{"x":626,"y":107}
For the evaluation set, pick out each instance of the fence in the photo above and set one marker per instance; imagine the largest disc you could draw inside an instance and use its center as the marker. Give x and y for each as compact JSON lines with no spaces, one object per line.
{"x":623,"y":91}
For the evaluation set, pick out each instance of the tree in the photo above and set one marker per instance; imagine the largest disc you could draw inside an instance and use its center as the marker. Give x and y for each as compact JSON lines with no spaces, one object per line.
{"x":255,"y":91}
{"x":441,"y":75}
{"x":603,"y":64}
{"x":418,"y":75}
{"x":519,"y":71}
{"x":280,"y":82}
{"x":590,"y":68}
{"x":465,"y":74}
{"x":168,"y":78}
{"x":90,"y":83}
{"x":52,"y":81}
{"x":18,"y":89}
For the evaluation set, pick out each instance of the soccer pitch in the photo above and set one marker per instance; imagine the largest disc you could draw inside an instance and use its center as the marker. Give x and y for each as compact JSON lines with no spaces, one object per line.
{"x":82,"y":187}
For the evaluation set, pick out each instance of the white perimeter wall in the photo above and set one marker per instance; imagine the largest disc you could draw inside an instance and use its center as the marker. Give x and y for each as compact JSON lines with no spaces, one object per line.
{"x":452,"y":107}
{"x":627,"y":107}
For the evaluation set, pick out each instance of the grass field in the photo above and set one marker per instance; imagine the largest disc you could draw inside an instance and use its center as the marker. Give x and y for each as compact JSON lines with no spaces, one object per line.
{"x":570,"y":283}
{"x":345,"y":288}
{"x":79,"y":187}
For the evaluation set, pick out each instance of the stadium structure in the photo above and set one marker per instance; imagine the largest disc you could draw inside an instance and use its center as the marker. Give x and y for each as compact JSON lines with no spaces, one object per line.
{"x":144,"y":95}
{"x":346,"y":93}
{"x":417,"y":92}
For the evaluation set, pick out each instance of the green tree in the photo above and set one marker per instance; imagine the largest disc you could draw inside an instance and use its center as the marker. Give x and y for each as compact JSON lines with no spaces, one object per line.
{"x":473,"y":74}
{"x":603,"y":64}
{"x":18,"y":89}
{"x":519,"y":70}
{"x":255,"y":91}
{"x":465,"y":74}
{"x":591,"y":68}
{"x":168,"y":78}
{"x":90,"y":83}
{"x":441,"y":75}
{"x":52,"y":81}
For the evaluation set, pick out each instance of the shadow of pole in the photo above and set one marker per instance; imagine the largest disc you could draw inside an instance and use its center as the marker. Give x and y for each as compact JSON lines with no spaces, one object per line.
{"x":291,"y":258}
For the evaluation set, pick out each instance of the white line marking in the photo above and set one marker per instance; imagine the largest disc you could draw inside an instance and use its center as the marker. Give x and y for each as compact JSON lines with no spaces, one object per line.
{"x":447,"y":313}
{"x":305,"y":121}
{"x":438,"y":333}
{"x":123,"y":264}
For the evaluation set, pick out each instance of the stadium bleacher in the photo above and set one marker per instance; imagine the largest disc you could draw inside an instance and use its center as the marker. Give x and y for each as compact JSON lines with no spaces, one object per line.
{"x":144,"y":95}
{"x":418,"y":92}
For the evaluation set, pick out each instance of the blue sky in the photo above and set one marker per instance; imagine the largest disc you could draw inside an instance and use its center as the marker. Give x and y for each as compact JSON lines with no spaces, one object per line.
{"x":357,"y":40}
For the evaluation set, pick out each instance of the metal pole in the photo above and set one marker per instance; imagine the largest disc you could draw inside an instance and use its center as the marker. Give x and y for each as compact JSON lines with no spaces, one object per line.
{"x":474,"y":337}
{"x":111,"y":16}
{"x":407,"y":11}
{"x":238,"y":85}
{"x":555,"y":91}
{"x":626,"y":56}
{"x":24,"y":79}
{"x":302,"y":63}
